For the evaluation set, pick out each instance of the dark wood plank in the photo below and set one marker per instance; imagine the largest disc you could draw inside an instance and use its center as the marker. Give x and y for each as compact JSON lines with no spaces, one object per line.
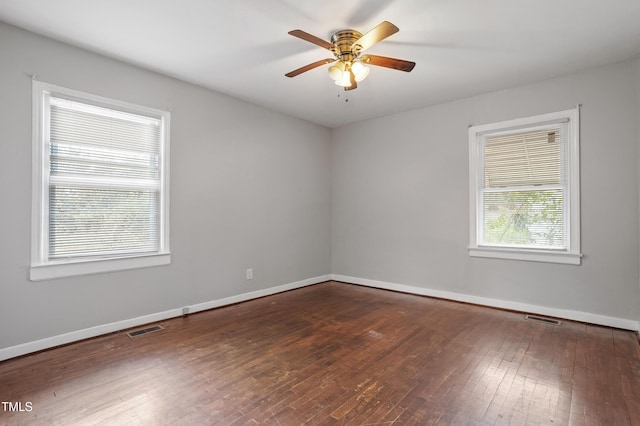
{"x":336,"y":354}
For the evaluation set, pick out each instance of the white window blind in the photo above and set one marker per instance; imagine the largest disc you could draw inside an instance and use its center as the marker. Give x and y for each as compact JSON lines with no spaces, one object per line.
{"x":523,"y":188}
{"x":104,"y":181}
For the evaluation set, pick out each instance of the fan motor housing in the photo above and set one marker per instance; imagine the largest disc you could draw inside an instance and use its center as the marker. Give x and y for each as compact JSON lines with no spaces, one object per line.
{"x":343,"y":44}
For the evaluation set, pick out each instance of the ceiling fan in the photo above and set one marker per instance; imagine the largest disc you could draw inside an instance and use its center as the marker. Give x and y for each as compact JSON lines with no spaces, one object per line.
{"x":349,"y":64}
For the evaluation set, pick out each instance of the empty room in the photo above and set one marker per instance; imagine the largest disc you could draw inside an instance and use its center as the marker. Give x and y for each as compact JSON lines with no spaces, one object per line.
{"x":390,"y":212}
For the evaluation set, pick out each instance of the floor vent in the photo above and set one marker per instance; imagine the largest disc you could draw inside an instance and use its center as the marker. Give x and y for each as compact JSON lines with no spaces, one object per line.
{"x":136,"y":333}
{"x":542,"y":319}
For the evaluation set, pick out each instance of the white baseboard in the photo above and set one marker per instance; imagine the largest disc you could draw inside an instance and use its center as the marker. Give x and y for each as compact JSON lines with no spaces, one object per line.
{"x":497,"y":303}
{"x":62,"y":339}
{"x":74,"y":336}
{"x":255,"y":294}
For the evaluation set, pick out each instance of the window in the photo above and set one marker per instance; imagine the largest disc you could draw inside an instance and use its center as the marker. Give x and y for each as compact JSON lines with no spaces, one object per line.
{"x":524,"y":189}
{"x":100,"y":184}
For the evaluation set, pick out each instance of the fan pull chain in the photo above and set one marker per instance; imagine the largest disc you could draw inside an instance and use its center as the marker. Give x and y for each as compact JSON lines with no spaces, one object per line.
{"x":346,"y":96}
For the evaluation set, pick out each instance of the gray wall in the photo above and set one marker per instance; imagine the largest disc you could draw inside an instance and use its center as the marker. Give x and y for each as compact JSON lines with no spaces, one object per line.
{"x":385,"y":199}
{"x":250,"y":188}
{"x":400,"y":198}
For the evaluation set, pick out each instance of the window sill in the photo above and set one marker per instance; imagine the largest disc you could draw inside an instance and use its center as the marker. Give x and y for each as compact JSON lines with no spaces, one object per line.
{"x":95,"y":266}
{"x":528,"y":255}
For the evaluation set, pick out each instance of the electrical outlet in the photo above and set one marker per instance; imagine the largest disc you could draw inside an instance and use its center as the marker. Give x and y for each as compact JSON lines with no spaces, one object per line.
{"x":250,"y":273}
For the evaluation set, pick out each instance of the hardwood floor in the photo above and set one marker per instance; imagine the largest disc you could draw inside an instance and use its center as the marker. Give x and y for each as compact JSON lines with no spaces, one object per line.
{"x":336,"y":354}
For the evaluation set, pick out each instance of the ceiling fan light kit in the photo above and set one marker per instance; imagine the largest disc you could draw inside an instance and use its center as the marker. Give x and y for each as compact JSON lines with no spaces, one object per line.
{"x":349,"y":67}
{"x":360,"y":71}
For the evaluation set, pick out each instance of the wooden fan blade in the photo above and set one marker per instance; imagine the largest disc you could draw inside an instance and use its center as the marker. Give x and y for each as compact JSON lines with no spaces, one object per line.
{"x":379,"y":33}
{"x":310,"y":67}
{"x":311,"y":39}
{"x":383,"y":61}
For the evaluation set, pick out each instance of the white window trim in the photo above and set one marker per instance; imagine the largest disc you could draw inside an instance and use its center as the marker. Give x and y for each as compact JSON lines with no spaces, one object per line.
{"x":570,"y":256}
{"x":41,"y":267}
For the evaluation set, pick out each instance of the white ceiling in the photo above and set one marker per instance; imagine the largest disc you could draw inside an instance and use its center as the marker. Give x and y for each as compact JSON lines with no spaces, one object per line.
{"x":241,"y":47}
